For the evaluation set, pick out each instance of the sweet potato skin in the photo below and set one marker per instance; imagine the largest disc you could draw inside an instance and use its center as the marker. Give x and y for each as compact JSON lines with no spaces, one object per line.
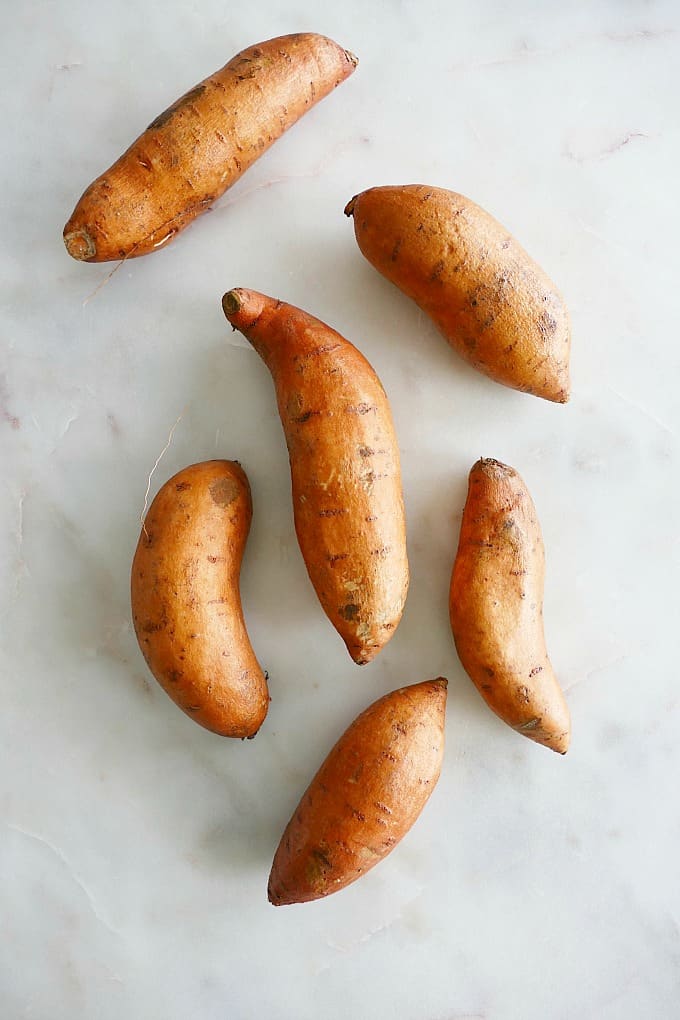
{"x":365,"y":797}
{"x":491,"y":301}
{"x":197,"y":148}
{"x":496,"y":606}
{"x":186,"y":604}
{"x":345,"y":470}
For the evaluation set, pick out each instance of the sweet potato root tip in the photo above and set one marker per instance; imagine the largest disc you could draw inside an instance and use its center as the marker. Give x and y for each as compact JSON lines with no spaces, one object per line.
{"x":352,"y":57}
{"x":80,"y":245}
{"x":231,"y":303}
{"x":349,"y":208}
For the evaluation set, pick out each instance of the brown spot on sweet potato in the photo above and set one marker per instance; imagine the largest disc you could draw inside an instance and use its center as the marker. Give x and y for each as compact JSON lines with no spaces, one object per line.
{"x":224,"y":491}
{"x":305,"y":416}
{"x":349,"y":612}
{"x":184,"y":100}
{"x":182,"y":486}
{"x":437,"y":271}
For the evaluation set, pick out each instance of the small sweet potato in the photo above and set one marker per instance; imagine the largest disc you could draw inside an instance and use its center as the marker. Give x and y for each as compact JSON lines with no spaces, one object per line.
{"x":197,"y":148}
{"x":186,"y":603}
{"x":344,"y":462}
{"x":490,"y":300}
{"x":496,"y":606}
{"x":365,"y":797}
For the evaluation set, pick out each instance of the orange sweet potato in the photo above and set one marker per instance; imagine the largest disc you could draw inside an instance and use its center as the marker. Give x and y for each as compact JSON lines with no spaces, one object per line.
{"x":186,"y":604}
{"x":365,"y":797}
{"x":344,"y":460}
{"x":496,"y":606}
{"x":491,"y":301}
{"x":197,"y":148}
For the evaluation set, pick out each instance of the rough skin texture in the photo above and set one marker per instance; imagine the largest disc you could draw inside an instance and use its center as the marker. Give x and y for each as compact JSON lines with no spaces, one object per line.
{"x":197,"y":148}
{"x":365,"y":797}
{"x":496,"y":606}
{"x":344,"y":461}
{"x":186,"y":604}
{"x":490,"y":300}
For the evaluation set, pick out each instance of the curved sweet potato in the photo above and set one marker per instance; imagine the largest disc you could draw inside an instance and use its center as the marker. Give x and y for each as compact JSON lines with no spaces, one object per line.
{"x":496,"y":606}
{"x":344,"y":461}
{"x":490,"y":300}
{"x":365,"y":797}
{"x":186,"y":604}
{"x":197,"y":148}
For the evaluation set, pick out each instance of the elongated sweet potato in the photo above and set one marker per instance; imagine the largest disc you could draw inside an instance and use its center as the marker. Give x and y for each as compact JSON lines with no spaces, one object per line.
{"x":365,"y":797}
{"x":186,"y":604}
{"x":197,"y":148}
{"x":496,"y":606}
{"x":344,"y":461}
{"x":490,"y":300}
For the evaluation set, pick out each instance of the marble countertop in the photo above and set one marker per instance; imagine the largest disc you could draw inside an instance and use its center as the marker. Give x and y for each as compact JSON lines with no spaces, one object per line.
{"x":134,"y":846}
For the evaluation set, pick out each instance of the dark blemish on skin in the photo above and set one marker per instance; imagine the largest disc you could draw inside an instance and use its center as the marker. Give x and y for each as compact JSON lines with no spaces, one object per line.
{"x":152,"y":628}
{"x":305,"y":416}
{"x":470,"y":342}
{"x":366,"y":451}
{"x":369,"y":519}
{"x":349,"y":612}
{"x":174,"y":676}
{"x":532,"y":724}
{"x":437,"y":271}
{"x":182,"y":486}
{"x":506,"y":243}
{"x":489,"y":671}
{"x":383,"y":807}
{"x":547,"y":325}
{"x":360,"y":408}
{"x":395,"y":250}
{"x":337,"y":512}
{"x":184,"y":100}
{"x":387,"y":756}
{"x":399,"y":728}
{"x":487,"y":687}
{"x":323,"y":859}
{"x":536,"y":670}
{"x":382,"y":552}
{"x":359,"y":815}
{"x":323,"y":349}
{"x":223,"y":491}
{"x":334,"y":559}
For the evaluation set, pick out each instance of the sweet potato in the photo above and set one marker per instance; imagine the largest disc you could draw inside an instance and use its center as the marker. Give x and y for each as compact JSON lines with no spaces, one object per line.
{"x":186,"y":603}
{"x":491,"y":301}
{"x":365,"y":797}
{"x":344,"y":461}
{"x":496,"y":606}
{"x":197,"y":148}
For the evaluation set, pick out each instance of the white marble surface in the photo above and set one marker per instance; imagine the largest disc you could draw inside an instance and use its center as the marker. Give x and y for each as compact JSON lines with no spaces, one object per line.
{"x":134,"y":846}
